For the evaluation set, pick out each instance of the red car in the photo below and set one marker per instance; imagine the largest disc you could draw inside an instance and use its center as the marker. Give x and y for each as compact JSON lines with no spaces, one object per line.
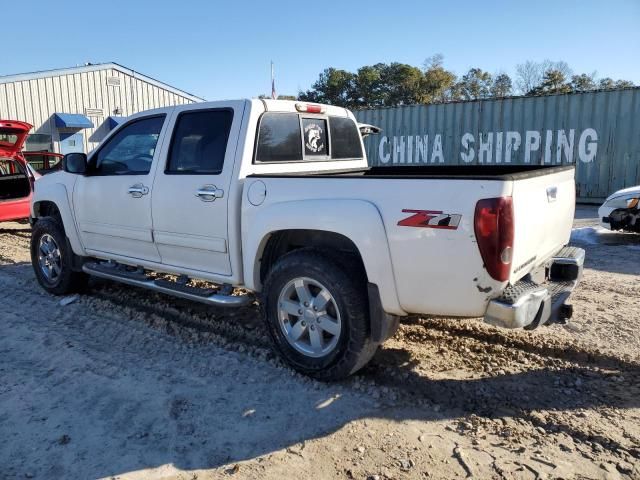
{"x":44,"y":162}
{"x":16,"y":176}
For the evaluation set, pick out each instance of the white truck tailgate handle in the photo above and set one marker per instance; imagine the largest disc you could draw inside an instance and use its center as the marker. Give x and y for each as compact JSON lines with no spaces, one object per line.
{"x":552,"y":194}
{"x":208,"y":193}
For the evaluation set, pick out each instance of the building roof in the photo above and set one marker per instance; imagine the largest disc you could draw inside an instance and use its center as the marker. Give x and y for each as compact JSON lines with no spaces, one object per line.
{"x":92,"y":68}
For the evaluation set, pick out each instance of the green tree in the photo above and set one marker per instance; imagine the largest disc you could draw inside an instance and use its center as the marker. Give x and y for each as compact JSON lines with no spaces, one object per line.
{"x":606,"y":83}
{"x":369,"y":90}
{"x":623,"y":84}
{"x":402,"y":84}
{"x":437,"y":81}
{"x":554,"y":81}
{"x":475,"y":84}
{"x":501,"y":86}
{"x":583,"y":83}
{"x":334,"y":87}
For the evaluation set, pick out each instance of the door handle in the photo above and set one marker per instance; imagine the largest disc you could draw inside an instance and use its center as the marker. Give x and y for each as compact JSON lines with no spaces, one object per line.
{"x":208,"y":193}
{"x":138,"y":190}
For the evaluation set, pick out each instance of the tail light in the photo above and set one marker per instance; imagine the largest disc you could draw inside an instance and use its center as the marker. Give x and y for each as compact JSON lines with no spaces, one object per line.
{"x":494,"y":232}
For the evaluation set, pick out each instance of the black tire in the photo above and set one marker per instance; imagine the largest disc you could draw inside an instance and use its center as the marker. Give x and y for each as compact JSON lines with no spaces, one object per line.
{"x":346,"y":282}
{"x":68,"y":280}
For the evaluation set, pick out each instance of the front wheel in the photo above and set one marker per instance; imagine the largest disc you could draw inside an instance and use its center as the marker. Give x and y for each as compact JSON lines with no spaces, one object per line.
{"x":316,"y":310}
{"x":51,"y":258}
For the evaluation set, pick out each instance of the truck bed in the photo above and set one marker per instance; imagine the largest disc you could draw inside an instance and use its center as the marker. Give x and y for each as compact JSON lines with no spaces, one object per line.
{"x":434,"y":268}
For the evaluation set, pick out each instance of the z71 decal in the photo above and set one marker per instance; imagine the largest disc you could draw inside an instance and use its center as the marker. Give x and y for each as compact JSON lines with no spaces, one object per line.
{"x":430,"y":219}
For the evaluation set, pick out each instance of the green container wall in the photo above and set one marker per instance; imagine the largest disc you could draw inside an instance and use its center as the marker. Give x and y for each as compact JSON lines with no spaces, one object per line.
{"x":605,"y":126}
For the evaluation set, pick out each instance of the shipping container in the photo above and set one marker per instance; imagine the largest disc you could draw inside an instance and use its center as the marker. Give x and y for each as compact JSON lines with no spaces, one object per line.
{"x":597,"y":131}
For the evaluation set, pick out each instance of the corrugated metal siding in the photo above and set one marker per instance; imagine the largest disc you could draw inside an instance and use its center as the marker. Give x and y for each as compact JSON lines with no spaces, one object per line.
{"x":36,"y":100}
{"x":613,"y":115}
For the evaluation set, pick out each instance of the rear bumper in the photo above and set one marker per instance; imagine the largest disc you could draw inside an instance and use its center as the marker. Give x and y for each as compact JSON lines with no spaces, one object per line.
{"x":527,"y":304}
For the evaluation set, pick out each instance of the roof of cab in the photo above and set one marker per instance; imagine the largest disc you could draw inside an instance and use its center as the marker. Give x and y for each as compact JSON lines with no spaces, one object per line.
{"x":268,"y":105}
{"x":290,"y":106}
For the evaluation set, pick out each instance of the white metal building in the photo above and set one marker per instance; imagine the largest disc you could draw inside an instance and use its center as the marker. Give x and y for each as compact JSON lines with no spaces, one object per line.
{"x":72,"y":109}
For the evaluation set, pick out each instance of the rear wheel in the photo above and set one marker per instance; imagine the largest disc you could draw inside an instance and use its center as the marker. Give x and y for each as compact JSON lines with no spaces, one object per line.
{"x":52,"y":259}
{"x":316,"y":310}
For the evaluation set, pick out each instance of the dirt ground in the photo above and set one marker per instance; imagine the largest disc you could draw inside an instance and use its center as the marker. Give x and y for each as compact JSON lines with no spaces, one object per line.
{"x":123,"y":383}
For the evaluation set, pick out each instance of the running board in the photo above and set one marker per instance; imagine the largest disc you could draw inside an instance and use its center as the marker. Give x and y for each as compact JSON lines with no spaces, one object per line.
{"x":195,"y":294}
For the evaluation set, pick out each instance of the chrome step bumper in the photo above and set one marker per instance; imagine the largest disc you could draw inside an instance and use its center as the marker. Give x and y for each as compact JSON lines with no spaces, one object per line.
{"x":526,"y":304}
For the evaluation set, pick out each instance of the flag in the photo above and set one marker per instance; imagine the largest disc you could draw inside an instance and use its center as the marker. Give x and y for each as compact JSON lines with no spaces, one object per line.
{"x":273,"y":84}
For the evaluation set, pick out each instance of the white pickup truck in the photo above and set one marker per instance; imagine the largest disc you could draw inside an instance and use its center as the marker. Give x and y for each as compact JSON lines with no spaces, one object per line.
{"x":208,"y":201}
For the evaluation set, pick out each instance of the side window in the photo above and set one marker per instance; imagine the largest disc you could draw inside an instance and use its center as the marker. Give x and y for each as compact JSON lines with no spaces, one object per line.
{"x":199,"y":142}
{"x":345,"y":138}
{"x":130,"y":151}
{"x":279,"y":138}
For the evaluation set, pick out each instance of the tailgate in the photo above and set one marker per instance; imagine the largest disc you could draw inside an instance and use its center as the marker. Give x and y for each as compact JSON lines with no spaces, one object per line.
{"x":543,"y":205}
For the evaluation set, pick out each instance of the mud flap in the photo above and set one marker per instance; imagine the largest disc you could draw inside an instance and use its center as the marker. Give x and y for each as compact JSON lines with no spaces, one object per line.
{"x":383,"y":324}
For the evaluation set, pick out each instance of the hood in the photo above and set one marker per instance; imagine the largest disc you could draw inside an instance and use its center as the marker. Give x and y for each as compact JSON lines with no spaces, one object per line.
{"x":625,"y":192}
{"x":12,"y":136}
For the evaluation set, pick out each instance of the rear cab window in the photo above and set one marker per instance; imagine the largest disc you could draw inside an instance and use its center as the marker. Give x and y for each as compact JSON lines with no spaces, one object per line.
{"x":293,"y":137}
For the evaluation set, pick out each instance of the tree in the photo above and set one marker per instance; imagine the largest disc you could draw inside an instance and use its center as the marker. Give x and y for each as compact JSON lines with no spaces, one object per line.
{"x":402,"y":84}
{"x":476,"y":84}
{"x":623,"y":84}
{"x":554,"y":81}
{"x":501,"y":86}
{"x":530,"y":75}
{"x":397,"y":83}
{"x":608,"y":83}
{"x":369,"y":90}
{"x":334,"y":87}
{"x":583,"y":82}
{"x":437,"y":81}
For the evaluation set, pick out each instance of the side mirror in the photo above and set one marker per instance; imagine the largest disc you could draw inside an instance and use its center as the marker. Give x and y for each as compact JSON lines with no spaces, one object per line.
{"x":75,"y":163}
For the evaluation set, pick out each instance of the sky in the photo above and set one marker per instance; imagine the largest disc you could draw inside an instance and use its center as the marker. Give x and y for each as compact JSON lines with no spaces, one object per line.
{"x":222,"y":50}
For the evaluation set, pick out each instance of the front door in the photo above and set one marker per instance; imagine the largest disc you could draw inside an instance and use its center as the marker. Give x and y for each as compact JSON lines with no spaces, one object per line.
{"x":190,"y":206}
{"x":113,"y":201}
{"x":71,"y":143}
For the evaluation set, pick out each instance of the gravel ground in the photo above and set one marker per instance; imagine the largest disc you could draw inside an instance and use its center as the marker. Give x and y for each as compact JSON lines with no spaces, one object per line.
{"x":123,"y":383}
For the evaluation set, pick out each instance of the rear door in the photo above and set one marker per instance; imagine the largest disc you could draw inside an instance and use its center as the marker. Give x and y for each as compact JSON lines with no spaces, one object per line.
{"x":543,"y":205}
{"x":191,"y":199}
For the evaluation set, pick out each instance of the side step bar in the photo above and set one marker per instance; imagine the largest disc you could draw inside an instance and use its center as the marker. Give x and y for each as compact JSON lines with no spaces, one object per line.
{"x":138,"y":279}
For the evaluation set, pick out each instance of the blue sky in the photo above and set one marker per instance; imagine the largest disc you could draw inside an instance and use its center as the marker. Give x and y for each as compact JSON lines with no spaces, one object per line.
{"x":221,"y":50}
